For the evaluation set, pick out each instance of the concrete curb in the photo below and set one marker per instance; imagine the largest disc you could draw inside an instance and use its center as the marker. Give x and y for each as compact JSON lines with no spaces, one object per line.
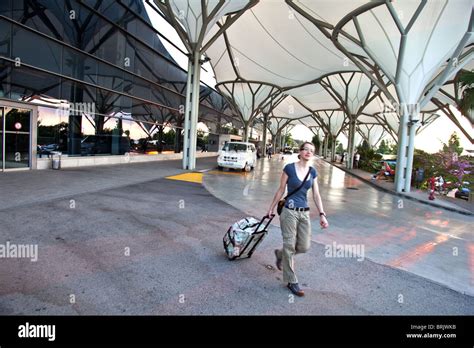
{"x":463,"y":212}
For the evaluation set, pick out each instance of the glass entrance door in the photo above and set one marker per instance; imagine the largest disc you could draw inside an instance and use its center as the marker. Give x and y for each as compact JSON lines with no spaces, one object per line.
{"x":15,"y":141}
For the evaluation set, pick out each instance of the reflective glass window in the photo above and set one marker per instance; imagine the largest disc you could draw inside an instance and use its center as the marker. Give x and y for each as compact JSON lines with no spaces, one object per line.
{"x":135,"y":5}
{"x":5,"y":71}
{"x":81,"y":99}
{"x":82,"y":27}
{"x":127,"y":83}
{"x":112,"y":48}
{"x":110,"y":77}
{"x":136,"y":135}
{"x":141,"y":88}
{"x":6,"y":8}
{"x":129,"y":23}
{"x":108,"y":103}
{"x":103,"y":135}
{"x":145,"y":33}
{"x":129,"y":59}
{"x":75,"y":92}
{"x":141,"y":111}
{"x":158,"y":46}
{"x":5,"y":38}
{"x":22,"y":44}
{"x":112,"y":10}
{"x":52,"y":131}
{"x":29,"y":84}
{"x":157,"y":95}
{"x":144,"y":62}
{"x":101,"y":31}
{"x":79,"y":66}
{"x":45,"y":16}
{"x":95,"y":4}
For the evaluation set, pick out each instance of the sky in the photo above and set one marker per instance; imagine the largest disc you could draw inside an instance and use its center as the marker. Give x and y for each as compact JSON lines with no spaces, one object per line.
{"x":429,"y":140}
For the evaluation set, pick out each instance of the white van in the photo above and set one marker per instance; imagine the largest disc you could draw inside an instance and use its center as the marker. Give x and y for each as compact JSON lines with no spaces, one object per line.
{"x":237,"y":155}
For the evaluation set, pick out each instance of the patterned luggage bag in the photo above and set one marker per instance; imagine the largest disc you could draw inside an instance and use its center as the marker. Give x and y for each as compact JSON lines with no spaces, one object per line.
{"x":244,"y":236}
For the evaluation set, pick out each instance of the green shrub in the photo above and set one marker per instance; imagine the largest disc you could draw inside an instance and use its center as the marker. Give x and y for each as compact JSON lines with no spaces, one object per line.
{"x":369,"y":159}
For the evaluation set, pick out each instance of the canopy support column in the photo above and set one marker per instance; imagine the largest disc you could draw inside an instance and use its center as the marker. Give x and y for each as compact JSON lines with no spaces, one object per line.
{"x":246,"y":131}
{"x":333,"y":148}
{"x":411,"y":149}
{"x":402,"y":150}
{"x":350,"y":144}
{"x":191,"y":112}
{"x":264,"y":135}
{"x":282,"y":140}
{"x":326,"y":145}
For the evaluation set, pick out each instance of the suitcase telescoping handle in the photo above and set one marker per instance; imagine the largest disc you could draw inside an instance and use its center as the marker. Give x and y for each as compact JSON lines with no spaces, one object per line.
{"x":270,"y":218}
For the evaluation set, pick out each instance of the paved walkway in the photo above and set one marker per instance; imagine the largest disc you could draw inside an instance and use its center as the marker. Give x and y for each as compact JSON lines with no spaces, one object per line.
{"x":26,"y":187}
{"x":126,"y":240}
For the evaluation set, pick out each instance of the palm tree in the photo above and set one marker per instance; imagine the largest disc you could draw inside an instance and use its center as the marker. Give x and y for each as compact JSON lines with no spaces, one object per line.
{"x":466,"y":87}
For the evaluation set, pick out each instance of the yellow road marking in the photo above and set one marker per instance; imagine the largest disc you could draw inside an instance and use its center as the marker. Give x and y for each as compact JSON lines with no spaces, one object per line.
{"x":189,"y":177}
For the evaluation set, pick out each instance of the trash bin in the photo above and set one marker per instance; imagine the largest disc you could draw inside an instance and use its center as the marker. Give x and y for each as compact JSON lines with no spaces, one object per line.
{"x":56,"y":162}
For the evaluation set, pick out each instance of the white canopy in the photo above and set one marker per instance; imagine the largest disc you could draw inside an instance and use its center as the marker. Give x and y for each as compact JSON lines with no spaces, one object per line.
{"x":290,"y":108}
{"x":334,"y":119}
{"x":247,"y":96}
{"x":373,"y":133}
{"x":272,"y":43}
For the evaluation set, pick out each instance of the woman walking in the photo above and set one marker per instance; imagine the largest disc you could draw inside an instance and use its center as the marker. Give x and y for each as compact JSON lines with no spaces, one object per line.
{"x":294,"y":218}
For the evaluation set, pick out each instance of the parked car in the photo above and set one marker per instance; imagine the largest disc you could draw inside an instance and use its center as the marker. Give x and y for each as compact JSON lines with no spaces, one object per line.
{"x":288,"y":150}
{"x":46,"y":149}
{"x":237,"y":155}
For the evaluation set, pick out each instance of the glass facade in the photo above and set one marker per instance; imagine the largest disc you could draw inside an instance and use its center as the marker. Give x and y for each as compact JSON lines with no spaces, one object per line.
{"x":104,"y":83}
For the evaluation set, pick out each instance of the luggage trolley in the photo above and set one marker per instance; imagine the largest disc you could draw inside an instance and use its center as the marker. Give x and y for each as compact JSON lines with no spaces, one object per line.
{"x":244,"y":236}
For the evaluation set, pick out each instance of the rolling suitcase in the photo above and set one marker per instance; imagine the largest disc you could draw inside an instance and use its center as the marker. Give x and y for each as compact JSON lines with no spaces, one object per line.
{"x":244,"y":236}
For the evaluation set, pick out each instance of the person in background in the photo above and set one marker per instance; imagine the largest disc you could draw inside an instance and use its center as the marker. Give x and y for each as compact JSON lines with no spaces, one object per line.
{"x":269,"y":150}
{"x":356,"y":160}
{"x":386,"y":171}
{"x":419,"y":177}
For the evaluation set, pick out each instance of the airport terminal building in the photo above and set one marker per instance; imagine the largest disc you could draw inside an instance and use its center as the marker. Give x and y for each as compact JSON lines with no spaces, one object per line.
{"x":90,"y":79}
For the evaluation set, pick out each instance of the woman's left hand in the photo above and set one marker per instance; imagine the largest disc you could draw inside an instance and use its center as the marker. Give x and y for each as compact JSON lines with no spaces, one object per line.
{"x":323,"y":222}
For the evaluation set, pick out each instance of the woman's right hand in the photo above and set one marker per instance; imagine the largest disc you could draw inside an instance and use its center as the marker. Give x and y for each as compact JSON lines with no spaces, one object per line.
{"x":270,"y":212}
{"x":323,"y":221}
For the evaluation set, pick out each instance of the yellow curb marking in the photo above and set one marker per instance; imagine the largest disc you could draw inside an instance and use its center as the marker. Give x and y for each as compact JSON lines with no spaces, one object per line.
{"x":189,"y":177}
